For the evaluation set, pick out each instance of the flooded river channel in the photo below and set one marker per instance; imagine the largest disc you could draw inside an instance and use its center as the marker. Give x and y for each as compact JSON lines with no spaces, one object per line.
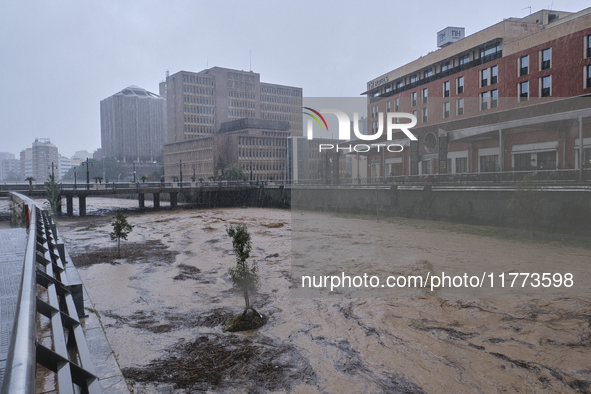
{"x":164,"y":301}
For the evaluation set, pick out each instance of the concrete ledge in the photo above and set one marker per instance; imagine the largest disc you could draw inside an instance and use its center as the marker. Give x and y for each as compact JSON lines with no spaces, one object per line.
{"x":104,"y":359}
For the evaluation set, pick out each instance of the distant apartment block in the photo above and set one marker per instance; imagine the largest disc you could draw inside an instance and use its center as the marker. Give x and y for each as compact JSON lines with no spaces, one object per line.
{"x":133,"y":125}
{"x":26,"y":163}
{"x":9,"y":167}
{"x":45,"y":159}
{"x":64,"y":166}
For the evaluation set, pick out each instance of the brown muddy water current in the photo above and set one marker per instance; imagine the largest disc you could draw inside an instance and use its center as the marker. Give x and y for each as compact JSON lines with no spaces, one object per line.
{"x":163,"y":303}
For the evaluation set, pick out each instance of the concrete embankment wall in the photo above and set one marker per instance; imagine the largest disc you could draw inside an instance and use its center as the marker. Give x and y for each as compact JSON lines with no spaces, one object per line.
{"x":566,"y":210}
{"x":558,"y":209}
{"x":271,"y":197}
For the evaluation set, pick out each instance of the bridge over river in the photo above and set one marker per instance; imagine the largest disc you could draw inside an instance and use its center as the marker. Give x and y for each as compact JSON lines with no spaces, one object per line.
{"x":201,"y":190}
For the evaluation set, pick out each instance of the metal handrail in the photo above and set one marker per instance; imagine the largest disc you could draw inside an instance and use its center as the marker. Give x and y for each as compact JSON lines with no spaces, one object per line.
{"x":68,"y":356}
{"x":19,"y":377}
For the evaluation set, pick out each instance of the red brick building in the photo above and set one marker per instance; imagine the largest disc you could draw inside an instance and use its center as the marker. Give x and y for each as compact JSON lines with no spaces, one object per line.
{"x":511,"y":97}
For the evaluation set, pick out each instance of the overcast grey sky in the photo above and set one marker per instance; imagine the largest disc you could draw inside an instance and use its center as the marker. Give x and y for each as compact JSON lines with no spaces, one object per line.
{"x":59,"y":59}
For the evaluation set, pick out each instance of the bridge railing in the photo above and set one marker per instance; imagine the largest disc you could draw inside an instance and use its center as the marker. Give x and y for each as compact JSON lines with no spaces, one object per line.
{"x":68,"y":355}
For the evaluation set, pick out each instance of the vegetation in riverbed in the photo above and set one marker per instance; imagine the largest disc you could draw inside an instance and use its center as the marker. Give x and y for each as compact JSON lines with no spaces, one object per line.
{"x":245,"y":278}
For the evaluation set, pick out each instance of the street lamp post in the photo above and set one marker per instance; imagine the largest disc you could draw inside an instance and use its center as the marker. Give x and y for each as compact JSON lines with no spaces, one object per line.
{"x":87,"y":173}
{"x":133,"y":172}
{"x":52,"y":173}
{"x":181,"y":172}
{"x":75,"y":186}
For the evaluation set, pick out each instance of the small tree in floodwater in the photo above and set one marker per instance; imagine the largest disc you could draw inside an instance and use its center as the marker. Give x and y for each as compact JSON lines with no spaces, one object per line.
{"x":245,"y":277}
{"x":54,"y":197}
{"x":121,"y":228}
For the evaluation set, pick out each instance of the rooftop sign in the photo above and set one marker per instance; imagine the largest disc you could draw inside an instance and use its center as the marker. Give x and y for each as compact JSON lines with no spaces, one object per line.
{"x":450,"y":35}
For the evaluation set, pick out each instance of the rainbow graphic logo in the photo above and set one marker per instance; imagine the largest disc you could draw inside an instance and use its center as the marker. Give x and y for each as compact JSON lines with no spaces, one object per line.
{"x":315,"y":118}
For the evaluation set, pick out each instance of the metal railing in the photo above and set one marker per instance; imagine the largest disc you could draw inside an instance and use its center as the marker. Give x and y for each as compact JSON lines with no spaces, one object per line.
{"x":68,"y":355}
{"x":555,"y":177}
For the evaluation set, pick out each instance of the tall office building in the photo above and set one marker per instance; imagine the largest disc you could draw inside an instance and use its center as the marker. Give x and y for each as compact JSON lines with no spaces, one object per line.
{"x":133,"y":125}
{"x":494,"y":101}
{"x":199,"y":102}
{"x":230,"y":115}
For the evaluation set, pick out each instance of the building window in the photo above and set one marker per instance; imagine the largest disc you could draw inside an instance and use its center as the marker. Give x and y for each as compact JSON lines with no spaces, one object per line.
{"x":588,"y":46}
{"x":374,"y":126}
{"x":524,"y":91}
{"x":586,"y":157}
{"x":490,"y":53}
{"x":483,"y":101}
{"x":484,"y":77}
{"x":388,"y":109}
{"x":413,"y":78}
{"x":424,"y":95}
{"x":446,"y":110}
{"x":460,"y":106}
{"x":461,"y":165}
{"x":374,"y":111}
{"x":428,"y":73}
{"x":489,"y":163}
{"x":396,"y":104}
{"x":545,"y":83}
{"x":545,"y":56}
{"x":444,"y":66}
{"x":399,"y":84}
{"x":547,"y":160}
{"x":446,"y":89}
{"x":460,"y":85}
{"x":413,"y":99}
{"x":494,"y":98}
{"x":523,"y":65}
{"x":389,"y":88}
{"x":494,"y":73}
{"x":426,"y":166}
{"x":522,"y":162}
{"x":425,"y":117}
{"x":464,"y":59}
{"x":414,"y":113}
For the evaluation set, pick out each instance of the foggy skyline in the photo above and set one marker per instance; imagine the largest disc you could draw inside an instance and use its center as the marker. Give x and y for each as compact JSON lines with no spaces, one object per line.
{"x":61,"y":58}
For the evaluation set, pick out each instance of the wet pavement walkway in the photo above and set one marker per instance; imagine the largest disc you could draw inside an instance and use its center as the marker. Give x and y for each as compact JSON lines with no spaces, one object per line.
{"x":13,"y":243}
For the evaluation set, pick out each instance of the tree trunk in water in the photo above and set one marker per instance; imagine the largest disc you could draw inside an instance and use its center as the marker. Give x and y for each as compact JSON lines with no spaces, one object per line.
{"x":246,"y":301}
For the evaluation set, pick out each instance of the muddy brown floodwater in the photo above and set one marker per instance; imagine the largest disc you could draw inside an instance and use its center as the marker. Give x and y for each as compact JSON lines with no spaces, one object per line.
{"x":162,"y":305}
